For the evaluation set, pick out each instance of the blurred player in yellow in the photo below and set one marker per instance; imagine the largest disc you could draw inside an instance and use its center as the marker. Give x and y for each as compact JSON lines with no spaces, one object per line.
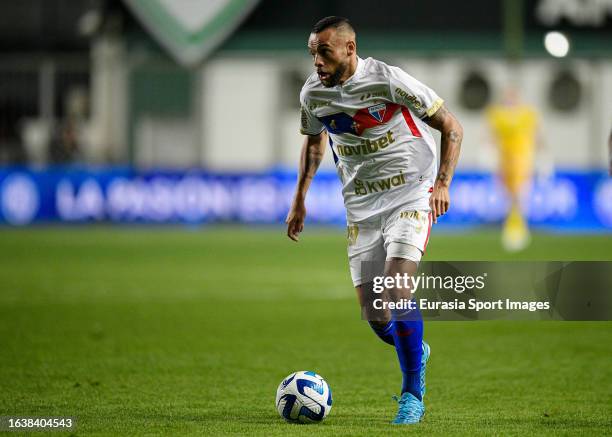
{"x":514,"y":126}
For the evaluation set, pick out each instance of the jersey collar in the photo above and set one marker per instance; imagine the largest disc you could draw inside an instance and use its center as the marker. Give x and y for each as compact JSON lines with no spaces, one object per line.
{"x":357,"y":72}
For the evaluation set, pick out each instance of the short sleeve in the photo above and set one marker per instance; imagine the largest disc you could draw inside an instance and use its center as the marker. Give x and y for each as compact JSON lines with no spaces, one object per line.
{"x":408,"y":91}
{"x":309,"y":124}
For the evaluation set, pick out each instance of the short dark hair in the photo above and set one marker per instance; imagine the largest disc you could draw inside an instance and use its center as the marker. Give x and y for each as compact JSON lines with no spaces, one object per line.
{"x":332,"y":21}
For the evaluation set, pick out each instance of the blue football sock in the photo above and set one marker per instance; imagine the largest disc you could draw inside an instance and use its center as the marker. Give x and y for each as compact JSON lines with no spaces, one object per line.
{"x":383,"y":332}
{"x":411,"y":382}
{"x":408,"y":339}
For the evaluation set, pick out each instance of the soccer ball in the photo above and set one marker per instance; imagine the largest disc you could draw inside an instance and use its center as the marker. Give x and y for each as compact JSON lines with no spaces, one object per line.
{"x":303,"y":397}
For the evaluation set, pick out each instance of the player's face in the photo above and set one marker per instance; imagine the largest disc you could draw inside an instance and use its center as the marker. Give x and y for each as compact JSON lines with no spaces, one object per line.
{"x":330,"y":56}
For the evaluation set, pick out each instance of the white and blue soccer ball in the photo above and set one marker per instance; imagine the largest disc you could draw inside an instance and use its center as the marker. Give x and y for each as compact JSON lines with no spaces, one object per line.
{"x":303,"y":397}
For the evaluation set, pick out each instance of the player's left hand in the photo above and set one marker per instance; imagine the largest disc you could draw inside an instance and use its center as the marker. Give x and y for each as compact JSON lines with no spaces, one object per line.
{"x":439,"y":202}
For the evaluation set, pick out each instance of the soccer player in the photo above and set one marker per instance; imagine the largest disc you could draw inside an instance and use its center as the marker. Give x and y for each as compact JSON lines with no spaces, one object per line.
{"x":514,"y":126}
{"x":376,"y":119}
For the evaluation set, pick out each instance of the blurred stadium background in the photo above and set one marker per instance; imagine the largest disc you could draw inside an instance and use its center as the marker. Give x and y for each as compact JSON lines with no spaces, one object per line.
{"x":185,"y":114}
{"x":144,"y":111}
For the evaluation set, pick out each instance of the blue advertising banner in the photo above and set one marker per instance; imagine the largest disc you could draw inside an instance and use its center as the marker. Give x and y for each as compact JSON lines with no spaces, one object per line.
{"x":567,"y":201}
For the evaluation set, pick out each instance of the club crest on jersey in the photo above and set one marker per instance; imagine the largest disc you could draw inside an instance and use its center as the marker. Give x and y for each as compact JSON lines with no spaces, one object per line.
{"x":378,"y":111}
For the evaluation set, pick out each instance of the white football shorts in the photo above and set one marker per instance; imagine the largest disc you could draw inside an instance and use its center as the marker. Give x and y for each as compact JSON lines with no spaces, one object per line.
{"x":400,"y":233}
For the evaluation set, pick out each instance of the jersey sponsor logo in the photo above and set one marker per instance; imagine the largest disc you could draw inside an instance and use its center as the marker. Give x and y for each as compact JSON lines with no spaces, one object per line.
{"x":373,"y":94}
{"x":409,"y":98}
{"x":366,"y":146}
{"x":352,"y":231}
{"x":378,"y":111}
{"x":409,"y":214}
{"x":363,"y":187}
{"x":414,"y":215}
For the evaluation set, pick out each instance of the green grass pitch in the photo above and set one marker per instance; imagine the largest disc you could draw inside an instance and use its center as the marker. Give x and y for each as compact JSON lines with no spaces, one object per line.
{"x":170,"y":332}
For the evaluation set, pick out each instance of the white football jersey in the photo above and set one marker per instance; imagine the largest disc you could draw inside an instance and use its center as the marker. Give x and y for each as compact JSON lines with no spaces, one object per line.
{"x":384,"y":152}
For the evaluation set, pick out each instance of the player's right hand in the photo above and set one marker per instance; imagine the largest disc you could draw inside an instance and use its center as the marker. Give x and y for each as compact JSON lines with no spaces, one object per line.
{"x":295,"y":220}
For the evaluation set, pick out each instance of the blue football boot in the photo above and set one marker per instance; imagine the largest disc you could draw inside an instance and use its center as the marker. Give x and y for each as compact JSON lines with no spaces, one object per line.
{"x":411,"y":410}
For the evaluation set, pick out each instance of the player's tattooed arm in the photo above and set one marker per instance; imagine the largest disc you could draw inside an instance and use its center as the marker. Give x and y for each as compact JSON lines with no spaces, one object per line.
{"x":310,"y":159}
{"x":450,"y":146}
{"x":312,"y":154}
